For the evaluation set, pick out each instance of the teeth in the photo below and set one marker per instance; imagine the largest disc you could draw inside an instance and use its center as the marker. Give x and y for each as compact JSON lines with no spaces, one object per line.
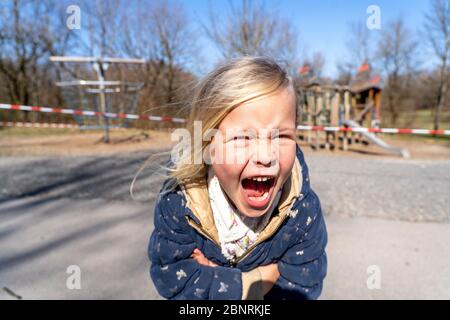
{"x":261,"y":178}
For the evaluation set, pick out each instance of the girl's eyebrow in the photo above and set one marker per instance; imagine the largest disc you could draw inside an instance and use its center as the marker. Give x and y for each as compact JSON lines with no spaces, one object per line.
{"x":286,"y":129}
{"x":269,"y":131}
{"x":290,"y":130}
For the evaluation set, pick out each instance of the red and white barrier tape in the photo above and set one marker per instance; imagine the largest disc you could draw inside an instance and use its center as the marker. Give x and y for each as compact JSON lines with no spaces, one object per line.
{"x":181,"y":120}
{"x":375,"y":130}
{"x":91,"y":113}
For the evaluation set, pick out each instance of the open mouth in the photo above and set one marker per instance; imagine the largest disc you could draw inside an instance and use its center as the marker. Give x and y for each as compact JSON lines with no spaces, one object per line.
{"x":258,"y":190}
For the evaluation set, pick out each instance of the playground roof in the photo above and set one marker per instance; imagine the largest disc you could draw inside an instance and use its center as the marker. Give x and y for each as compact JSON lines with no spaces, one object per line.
{"x":366,"y":84}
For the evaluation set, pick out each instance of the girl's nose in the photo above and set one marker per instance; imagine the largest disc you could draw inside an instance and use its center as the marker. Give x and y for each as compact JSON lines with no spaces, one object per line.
{"x":264,"y":154}
{"x":265,"y":161}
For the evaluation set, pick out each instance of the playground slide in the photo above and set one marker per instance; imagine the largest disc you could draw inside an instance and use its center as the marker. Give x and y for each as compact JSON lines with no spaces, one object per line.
{"x":379,"y":142}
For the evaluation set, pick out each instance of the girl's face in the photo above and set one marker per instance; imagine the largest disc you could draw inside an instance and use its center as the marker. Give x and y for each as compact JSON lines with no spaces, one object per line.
{"x":254,"y":154}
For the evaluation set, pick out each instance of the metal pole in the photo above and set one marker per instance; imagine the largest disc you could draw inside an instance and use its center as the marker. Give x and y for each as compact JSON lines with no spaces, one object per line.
{"x":100,"y":65}
{"x":99,"y":68}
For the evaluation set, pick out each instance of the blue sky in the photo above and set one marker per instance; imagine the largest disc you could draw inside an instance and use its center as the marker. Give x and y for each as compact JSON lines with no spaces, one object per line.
{"x":322,"y":25}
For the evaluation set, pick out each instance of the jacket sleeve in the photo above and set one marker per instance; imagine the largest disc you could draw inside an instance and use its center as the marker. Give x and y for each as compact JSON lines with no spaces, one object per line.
{"x":174,"y":273}
{"x":304,"y":265}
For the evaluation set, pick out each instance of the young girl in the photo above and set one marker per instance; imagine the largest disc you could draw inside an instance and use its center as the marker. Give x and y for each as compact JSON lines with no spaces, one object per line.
{"x":242,"y":223}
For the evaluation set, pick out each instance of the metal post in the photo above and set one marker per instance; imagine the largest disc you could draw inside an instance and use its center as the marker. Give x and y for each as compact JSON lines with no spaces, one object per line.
{"x":100,"y":65}
{"x":100,"y":68}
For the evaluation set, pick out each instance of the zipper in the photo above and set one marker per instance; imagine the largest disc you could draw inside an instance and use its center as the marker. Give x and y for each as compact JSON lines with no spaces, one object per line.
{"x":253,"y":246}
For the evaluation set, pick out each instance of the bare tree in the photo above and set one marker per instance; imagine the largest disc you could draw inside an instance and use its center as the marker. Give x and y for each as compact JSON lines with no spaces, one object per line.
{"x":174,"y":45}
{"x":437,"y":28}
{"x":359,"y":50}
{"x":21,"y":47}
{"x":312,"y":69}
{"x":252,"y":29}
{"x":359,"y":45}
{"x":163,"y":36}
{"x":317,"y":64}
{"x":102,"y":26}
{"x":30,"y":31}
{"x":396,"y":56}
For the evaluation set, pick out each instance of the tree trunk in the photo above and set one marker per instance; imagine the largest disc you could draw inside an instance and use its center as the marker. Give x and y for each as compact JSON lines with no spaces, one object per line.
{"x":442,"y":96}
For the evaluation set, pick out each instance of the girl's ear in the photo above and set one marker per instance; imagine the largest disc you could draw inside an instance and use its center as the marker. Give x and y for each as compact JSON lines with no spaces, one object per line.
{"x":211,"y":152}
{"x":215,"y":146}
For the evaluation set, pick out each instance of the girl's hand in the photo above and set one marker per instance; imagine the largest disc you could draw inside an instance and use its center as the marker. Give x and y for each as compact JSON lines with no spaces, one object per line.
{"x":269,"y":275}
{"x":198,"y":256}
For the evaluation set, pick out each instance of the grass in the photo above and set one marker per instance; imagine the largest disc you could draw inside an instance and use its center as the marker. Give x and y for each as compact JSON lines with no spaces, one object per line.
{"x":20,"y":132}
{"x":421,"y":138}
{"x":6,"y":132}
{"x":419,"y":119}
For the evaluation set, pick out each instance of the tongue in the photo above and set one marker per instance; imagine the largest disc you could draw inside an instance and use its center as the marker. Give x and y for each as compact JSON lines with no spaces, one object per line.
{"x":254,"y":188}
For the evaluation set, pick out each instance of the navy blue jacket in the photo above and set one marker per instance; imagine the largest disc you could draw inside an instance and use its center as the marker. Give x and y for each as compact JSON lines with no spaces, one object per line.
{"x":298,"y":246}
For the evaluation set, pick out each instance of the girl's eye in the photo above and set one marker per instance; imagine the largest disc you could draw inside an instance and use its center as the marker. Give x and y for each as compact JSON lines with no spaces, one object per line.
{"x":283,"y":136}
{"x":240,"y":141}
{"x":240,"y":138}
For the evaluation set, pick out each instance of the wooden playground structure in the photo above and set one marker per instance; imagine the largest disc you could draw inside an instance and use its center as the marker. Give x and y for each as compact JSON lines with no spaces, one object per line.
{"x":356,"y":105}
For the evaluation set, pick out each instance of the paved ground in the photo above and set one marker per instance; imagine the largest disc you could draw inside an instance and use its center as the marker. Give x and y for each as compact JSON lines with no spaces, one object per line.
{"x":411,"y":259}
{"x":107,"y":239}
{"x":391,"y":188}
{"x":61,"y":211}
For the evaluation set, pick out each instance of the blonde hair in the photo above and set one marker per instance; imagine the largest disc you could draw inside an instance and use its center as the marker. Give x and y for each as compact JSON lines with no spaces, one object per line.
{"x":229,"y":85}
